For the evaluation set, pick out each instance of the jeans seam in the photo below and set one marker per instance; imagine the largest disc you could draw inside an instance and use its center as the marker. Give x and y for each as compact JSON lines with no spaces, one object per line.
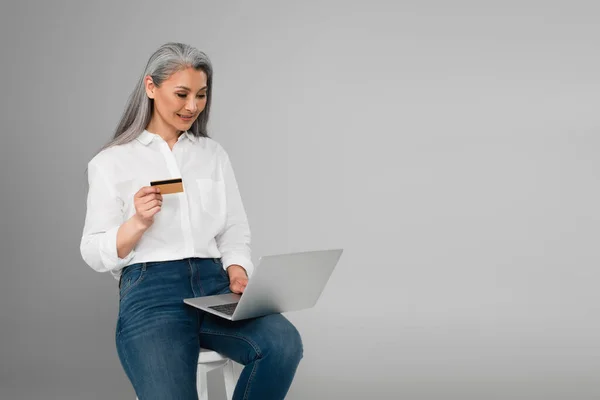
{"x":254,"y":347}
{"x":191,"y":275}
{"x":202,"y":292}
{"x":126,"y":361}
{"x":252,"y":373}
{"x":245,"y":339}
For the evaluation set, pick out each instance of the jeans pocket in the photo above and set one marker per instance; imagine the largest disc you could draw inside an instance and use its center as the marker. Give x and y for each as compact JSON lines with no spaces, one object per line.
{"x":131,"y":277}
{"x":219,"y":265}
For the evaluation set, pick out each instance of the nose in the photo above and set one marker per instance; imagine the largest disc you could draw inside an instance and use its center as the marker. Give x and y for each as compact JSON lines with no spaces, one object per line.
{"x":191,"y":106}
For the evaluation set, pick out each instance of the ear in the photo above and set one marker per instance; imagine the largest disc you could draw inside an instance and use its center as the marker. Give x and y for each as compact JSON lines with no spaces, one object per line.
{"x":150,"y":87}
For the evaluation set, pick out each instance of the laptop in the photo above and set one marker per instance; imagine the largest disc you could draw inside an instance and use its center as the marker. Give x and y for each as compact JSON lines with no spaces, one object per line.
{"x":279,"y":283}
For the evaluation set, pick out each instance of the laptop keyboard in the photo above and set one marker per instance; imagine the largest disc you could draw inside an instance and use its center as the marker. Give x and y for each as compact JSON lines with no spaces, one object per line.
{"x":225,"y":308}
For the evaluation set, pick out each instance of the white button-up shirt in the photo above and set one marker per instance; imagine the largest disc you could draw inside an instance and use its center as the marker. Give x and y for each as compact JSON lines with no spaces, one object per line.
{"x":207,"y":219}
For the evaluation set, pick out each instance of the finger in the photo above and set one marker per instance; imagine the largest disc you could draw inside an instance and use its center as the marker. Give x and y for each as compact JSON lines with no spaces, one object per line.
{"x":150,"y":210}
{"x":146,"y":190}
{"x":149,"y":197}
{"x":151,"y":204}
{"x":241,"y":281}
{"x":237,"y":288}
{"x":153,"y":211}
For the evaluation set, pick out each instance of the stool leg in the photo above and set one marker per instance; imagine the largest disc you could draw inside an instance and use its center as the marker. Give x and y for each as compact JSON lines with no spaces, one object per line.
{"x":231,"y":377}
{"x":202,"y":382}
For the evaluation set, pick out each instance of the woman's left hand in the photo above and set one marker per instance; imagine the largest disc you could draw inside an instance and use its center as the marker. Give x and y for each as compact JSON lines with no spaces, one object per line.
{"x":237,"y":278}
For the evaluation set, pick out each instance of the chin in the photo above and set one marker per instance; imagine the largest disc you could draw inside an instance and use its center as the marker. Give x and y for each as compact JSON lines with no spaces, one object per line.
{"x":184,"y":126}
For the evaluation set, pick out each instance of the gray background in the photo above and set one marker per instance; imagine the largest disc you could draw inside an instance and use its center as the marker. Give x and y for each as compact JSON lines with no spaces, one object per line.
{"x":450,"y":147}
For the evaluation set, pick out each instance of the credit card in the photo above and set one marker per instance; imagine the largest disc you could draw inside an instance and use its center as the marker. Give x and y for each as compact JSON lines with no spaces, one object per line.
{"x":169,"y":186}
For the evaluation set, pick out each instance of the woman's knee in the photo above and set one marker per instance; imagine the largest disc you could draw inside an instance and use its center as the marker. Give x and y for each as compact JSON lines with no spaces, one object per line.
{"x":285,"y":342}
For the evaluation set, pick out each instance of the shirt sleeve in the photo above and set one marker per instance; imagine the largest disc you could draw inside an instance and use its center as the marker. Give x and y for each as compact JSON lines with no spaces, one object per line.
{"x":104,"y":216}
{"x":234,"y":239}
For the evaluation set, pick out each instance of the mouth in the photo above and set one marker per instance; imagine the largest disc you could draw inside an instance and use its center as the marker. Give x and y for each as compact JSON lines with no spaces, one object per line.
{"x":186,"y":118}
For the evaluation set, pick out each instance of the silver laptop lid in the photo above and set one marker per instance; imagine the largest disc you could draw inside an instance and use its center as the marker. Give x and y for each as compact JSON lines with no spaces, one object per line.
{"x":288,"y":282}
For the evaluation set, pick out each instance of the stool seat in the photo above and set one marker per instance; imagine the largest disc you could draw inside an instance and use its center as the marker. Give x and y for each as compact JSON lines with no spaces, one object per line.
{"x":208,"y":356}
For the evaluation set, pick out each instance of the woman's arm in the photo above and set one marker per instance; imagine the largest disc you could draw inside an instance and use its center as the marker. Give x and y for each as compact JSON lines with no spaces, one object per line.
{"x":128,"y":235}
{"x":234,"y":240}
{"x":103,"y":220}
{"x":108,"y":242}
{"x":147,"y":202}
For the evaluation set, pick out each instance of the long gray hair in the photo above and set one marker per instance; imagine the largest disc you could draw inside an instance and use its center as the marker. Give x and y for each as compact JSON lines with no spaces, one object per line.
{"x":168,"y":59}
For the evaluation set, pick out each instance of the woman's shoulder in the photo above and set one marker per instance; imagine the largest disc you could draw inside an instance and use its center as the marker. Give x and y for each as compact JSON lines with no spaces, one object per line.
{"x":105,"y":156}
{"x":108,"y":157}
{"x":214,"y":147}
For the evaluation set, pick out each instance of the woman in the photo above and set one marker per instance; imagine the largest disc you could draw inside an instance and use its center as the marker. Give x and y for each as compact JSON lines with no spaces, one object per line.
{"x":166,"y":247}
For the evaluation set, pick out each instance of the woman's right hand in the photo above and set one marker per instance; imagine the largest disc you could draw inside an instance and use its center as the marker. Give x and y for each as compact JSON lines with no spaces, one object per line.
{"x":147,"y":201}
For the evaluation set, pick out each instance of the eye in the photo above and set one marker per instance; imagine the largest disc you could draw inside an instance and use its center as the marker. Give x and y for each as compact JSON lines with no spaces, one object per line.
{"x":182,"y":95}
{"x":201,"y":96}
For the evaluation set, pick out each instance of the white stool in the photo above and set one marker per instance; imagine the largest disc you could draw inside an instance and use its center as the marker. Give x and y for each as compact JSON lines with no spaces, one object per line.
{"x":209,"y":360}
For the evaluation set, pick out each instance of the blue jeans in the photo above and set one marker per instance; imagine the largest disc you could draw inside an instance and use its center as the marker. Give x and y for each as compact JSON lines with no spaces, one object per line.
{"x":158,"y":336}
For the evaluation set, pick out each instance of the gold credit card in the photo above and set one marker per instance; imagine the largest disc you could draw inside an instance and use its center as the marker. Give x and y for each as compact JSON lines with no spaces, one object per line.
{"x":169,"y":186}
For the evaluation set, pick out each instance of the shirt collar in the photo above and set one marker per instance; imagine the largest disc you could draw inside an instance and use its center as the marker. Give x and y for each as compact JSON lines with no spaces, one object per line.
{"x":146,"y":137}
{"x":190,"y":136}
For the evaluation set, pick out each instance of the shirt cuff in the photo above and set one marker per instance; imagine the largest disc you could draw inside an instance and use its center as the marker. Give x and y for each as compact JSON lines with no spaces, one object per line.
{"x":108,"y":251}
{"x":244,"y":262}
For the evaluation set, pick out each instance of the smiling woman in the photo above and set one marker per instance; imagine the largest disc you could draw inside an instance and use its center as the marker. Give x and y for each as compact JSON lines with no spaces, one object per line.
{"x":177,"y":101}
{"x":191,"y":241}
{"x":185,"y":73}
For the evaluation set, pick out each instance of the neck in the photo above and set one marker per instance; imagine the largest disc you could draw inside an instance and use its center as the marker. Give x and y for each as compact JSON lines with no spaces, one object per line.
{"x":168,"y":134}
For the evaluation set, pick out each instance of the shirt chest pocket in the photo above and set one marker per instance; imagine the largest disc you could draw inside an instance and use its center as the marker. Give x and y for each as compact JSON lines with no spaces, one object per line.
{"x":212,"y":196}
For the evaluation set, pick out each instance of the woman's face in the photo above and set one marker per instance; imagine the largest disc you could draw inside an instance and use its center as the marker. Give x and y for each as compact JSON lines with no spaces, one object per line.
{"x":179,"y":100}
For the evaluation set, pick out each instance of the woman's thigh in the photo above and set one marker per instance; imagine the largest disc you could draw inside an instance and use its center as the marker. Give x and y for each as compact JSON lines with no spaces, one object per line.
{"x":157,"y":334}
{"x":247,"y":340}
